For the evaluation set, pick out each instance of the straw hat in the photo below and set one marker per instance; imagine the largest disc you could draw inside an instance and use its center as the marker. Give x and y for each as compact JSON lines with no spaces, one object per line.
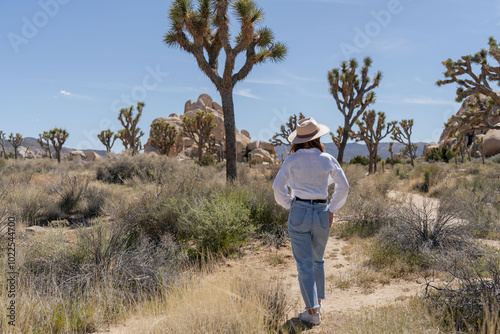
{"x":307,"y":129}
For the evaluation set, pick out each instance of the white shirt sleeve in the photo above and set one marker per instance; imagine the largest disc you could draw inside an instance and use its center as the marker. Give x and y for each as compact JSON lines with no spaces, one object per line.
{"x":339,"y":196}
{"x":281,"y":189}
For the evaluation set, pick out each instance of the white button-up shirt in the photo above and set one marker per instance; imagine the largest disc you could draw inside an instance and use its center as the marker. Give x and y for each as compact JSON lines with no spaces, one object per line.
{"x":308,"y":173}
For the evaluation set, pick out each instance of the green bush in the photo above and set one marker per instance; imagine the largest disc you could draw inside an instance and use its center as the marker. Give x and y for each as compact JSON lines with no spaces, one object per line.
{"x":360,"y":160}
{"x":439,"y":154}
{"x":218,"y":225}
{"x":392,"y":161}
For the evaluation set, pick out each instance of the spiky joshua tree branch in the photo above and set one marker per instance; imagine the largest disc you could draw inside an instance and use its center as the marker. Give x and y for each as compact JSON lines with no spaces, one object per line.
{"x":353,"y":93}
{"x":402,"y":134}
{"x":281,"y":138}
{"x":204,"y":32}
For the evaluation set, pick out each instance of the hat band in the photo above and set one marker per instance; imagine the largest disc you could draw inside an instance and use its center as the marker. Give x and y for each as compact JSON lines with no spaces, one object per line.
{"x":308,"y":135}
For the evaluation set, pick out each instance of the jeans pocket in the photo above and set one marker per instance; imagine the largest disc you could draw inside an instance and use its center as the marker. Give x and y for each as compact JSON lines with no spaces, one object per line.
{"x":298,"y":219}
{"x":324,"y":218}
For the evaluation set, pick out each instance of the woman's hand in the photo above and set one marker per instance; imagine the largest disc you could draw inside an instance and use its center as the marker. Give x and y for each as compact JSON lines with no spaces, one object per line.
{"x":331,"y":218}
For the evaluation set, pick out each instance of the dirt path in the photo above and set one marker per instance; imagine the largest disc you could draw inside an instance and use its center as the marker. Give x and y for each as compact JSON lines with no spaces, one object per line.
{"x":340,"y":264}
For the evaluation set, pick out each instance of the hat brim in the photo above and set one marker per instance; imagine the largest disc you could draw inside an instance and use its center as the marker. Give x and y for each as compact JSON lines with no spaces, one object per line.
{"x":323,"y":130}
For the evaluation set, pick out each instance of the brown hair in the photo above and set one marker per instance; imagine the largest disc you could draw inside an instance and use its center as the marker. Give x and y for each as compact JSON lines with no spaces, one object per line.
{"x":315,"y":143}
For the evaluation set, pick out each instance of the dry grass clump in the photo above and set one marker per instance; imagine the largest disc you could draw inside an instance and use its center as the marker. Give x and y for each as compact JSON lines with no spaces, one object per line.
{"x":468,"y":301}
{"x":80,"y":287}
{"x":411,"y":316}
{"x":219,"y":303}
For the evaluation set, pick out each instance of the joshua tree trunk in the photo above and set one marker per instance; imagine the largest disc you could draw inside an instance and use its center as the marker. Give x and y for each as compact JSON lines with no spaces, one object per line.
{"x":230,"y":127}
{"x":343,"y":143}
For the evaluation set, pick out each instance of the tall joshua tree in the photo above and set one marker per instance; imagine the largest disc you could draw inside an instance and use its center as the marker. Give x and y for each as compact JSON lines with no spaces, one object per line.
{"x":204,"y":32}
{"x":2,"y":143}
{"x":481,"y":110}
{"x":199,"y":129}
{"x":286,"y":130}
{"x":15,"y":141}
{"x":372,"y":131}
{"x":391,"y":151}
{"x":163,"y":136}
{"x":108,"y":138}
{"x":58,"y":138}
{"x":44,"y":142}
{"x":402,"y":134}
{"x":131,"y":135}
{"x":353,"y":94}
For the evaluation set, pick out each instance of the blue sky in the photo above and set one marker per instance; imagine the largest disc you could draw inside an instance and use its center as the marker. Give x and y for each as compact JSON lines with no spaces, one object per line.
{"x":74,"y":64}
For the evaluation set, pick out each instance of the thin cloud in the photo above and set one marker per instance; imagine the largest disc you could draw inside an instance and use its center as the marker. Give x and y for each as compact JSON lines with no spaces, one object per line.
{"x":246,"y":93}
{"x":428,"y":100}
{"x":76,"y":96}
{"x":266,"y":81}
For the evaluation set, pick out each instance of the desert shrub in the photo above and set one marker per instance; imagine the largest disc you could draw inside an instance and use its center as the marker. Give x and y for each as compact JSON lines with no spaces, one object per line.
{"x":395,"y":262}
{"x":478,"y":202}
{"x":70,"y":192}
{"x":94,"y":199}
{"x":392,"y":161}
{"x":208,"y":160}
{"x":426,"y":177}
{"x":469,"y":300}
{"x":364,"y":161}
{"x":439,"y":154}
{"x":218,"y":225}
{"x":425,"y":227}
{"x":31,"y":204}
{"x":402,"y":172}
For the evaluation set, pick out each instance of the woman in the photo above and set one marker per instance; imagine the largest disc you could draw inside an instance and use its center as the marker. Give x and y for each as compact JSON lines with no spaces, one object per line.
{"x":308,"y":172}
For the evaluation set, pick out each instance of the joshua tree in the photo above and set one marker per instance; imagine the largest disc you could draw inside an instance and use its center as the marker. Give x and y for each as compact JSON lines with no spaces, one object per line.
{"x":199,"y":128}
{"x":204,"y":32}
{"x":480,"y":142}
{"x":372,"y":131}
{"x":481,"y":110}
{"x":352,"y":95}
{"x":44,"y":142}
{"x":2,"y":143}
{"x":337,"y":139}
{"x":163,"y":136}
{"x":107,"y":138}
{"x":130,"y":135}
{"x":402,"y":134}
{"x":58,"y":138}
{"x":286,"y":130}
{"x":15,"y":141}
{"x":391,"y":145}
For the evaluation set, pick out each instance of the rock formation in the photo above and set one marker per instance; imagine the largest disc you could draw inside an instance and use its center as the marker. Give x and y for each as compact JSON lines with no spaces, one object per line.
{"x":491,"y":144}
{"x":187,"y":147}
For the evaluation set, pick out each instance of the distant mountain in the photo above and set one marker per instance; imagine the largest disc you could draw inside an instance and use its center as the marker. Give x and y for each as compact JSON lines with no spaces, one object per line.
{"x":33,"y":146}
{"x":354,"y":149}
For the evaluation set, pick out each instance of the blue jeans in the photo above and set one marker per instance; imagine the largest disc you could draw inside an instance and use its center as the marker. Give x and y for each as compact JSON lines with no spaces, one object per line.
{"x":309,"y":229}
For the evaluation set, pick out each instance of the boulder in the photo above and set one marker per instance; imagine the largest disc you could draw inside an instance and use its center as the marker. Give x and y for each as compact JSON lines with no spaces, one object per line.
{"x":78,"y":154}
{"x":259,"y":158}
{"x":491,"y":145}
{"x":242,"y":142}
{"x":253,"y":145}
{"x":400,"y":156}
{"x":246,"y":133}
{"x":188,"y":142}
{"x":258,"y":152}
{"x":216,"y":106}
{"x":92,"y":156}
{"x":206,"y":100}
{"x":267,"y":146}
{"x":35,"y":229}
{"x":191,"y":106}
